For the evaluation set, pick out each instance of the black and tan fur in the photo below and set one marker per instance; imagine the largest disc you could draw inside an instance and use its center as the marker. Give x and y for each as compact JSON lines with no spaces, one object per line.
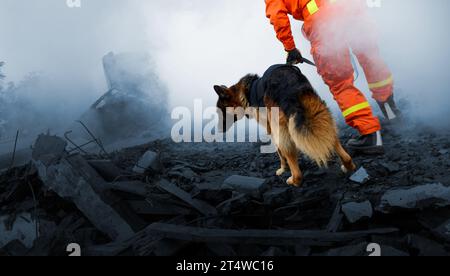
{"x":305,"y":125}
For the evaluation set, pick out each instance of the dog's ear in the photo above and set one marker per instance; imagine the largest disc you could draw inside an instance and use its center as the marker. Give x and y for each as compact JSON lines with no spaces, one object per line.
{"x":221,"y":90}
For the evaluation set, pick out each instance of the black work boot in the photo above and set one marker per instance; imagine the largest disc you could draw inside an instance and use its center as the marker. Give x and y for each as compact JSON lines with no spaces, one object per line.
{"x":370,"y":144}
{"x":389,"y":109}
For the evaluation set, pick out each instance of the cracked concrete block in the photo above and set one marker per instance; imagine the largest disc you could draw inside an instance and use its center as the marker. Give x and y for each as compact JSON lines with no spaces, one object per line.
{"x":360,"y":176}
{"x":150,"y":160}
{"x":72,"y":178}
{"x":247,"y":185}
{"x":354,"y":212}
{"x":419,"y":197}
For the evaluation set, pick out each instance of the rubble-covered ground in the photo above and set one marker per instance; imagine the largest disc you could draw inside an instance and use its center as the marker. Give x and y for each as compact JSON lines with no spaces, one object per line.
{"x":205,"y":199}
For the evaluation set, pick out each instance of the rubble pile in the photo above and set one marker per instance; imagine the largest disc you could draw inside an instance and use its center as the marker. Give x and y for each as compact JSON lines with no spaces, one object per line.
{"x":204,"y":199}
{"x":136,"y":100}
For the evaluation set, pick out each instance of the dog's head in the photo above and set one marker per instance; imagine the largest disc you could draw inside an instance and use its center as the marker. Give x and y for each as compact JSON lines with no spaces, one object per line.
{"x":232,"y":102}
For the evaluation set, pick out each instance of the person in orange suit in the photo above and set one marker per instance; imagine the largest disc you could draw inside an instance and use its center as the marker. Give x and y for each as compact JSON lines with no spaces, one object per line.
{"x":334,"y":27}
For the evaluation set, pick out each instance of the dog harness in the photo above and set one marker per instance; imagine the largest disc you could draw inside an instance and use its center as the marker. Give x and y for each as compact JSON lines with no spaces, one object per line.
{"x":259,"y":86}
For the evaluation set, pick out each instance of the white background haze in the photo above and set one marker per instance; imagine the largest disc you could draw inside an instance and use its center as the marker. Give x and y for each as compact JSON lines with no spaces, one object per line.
{"x":198,"y":43}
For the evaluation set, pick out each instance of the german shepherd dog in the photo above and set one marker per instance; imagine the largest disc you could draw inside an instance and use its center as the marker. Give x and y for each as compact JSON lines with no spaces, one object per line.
{"x":305,"y":123}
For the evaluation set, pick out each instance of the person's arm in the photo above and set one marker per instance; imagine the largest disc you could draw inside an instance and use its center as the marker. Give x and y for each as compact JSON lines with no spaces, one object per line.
{"x":277,"y":12}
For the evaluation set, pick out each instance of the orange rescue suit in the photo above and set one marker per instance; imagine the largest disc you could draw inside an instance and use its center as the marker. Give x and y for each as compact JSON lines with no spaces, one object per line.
{"x":334,"y":27}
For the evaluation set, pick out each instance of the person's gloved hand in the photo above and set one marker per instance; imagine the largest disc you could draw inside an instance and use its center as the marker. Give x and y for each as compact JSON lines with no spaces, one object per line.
{"x":294,"y":57}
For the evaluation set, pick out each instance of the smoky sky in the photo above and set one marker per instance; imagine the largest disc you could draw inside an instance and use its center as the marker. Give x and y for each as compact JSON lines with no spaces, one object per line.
{"x":196,"y":44}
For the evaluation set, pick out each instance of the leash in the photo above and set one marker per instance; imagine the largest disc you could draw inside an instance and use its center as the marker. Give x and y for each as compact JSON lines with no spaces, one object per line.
{"x":303,"y":60}
{"x":307,"y":61}
{"x":355,"y":66}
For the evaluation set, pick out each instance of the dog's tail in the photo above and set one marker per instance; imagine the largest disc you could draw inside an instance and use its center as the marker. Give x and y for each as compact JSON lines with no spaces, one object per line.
{"x":314,"y":130}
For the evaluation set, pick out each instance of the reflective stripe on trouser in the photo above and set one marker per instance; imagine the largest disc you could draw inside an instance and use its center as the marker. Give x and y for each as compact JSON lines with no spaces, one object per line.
{"x":354,"y":105}
{"x":331,"y":51}
{"x":378,"y":75}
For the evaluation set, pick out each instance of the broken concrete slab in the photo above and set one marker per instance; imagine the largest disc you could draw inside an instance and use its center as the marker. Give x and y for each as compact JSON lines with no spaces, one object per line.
{"x":199,"y":205}
{"x":424,"y":196}
{"x":150,"y":160}
{"x":107,"y":169}
{"x":360,"y":176}
{"x":265,"y":237}
{"x":354,"y":211}
{"x":132,"y":187}
{"x":71,"y":177}
{"x":247,"y":185}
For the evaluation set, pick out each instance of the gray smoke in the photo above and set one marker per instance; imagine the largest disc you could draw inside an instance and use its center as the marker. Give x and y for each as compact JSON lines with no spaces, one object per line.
{"x":196,"y":44}
{"x":53,"y":56}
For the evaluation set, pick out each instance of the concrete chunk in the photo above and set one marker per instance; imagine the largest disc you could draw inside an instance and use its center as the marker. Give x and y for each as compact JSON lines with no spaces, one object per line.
{"x":356,"y":211}
{"x":106,"y":169}
{"x":361,"y":176}
{"x":199,"y":205}
{"x":72,"y":178}
{"x":247,"y":185}
{"x":150,"y":160}
{"x":418,"y":197}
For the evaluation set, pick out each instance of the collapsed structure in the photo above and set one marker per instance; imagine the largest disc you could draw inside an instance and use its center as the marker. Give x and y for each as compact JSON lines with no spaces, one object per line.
{"x":135,"y":104}
{"x":166,"y":199}
{"x":133,"y":110}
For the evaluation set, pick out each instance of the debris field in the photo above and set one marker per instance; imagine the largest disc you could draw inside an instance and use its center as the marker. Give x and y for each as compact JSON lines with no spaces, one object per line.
{"x":164,"y":199}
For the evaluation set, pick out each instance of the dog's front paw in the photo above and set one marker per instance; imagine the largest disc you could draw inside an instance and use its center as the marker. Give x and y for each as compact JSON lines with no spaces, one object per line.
{"x":281,"y":171}
{"x":292,"y":181}
{"x":348,"y":169}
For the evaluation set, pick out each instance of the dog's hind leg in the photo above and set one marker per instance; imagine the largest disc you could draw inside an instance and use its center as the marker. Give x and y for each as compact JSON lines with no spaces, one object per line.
{"x":284,"y":165}
{"x":278,"y":137}
{"x":289,"y":151}
{"x":347,"y":161}
{"x":297,"y":176}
